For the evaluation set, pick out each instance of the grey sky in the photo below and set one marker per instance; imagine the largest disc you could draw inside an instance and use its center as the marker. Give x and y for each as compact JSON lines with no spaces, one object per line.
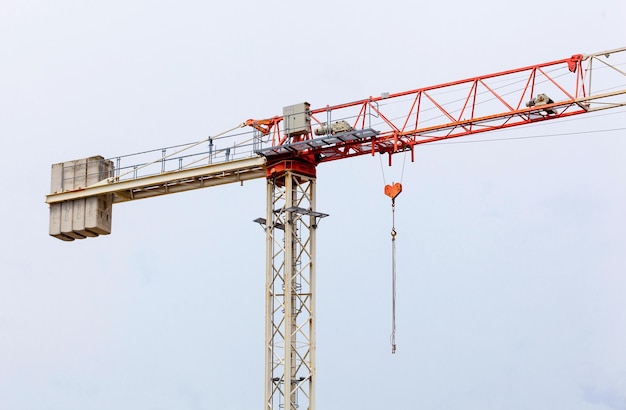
{"x":511,"y":254}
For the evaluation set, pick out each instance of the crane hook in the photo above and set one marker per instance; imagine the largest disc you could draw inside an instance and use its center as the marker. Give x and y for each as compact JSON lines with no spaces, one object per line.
{"x":392,"y":191}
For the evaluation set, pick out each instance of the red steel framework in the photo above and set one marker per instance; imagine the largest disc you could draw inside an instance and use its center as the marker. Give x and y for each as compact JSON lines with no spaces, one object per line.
{"x":450,"y":110}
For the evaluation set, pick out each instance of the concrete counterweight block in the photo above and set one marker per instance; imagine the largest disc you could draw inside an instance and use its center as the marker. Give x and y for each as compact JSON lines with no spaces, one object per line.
{"x":82,"y":217}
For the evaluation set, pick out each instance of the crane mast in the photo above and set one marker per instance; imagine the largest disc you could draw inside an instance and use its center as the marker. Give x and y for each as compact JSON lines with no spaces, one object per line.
{"x":290,"y":226}
{"x":285,"y":150}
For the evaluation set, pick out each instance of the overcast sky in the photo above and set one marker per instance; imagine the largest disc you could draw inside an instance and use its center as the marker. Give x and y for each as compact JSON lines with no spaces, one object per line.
{"x":511,"y":254}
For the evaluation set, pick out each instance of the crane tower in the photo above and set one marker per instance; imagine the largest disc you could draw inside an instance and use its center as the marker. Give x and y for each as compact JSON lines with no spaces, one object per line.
{"x":286,"y":149}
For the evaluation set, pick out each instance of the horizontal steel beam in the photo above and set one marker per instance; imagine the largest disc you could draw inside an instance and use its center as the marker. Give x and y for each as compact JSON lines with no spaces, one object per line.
{"x":169,"y":182}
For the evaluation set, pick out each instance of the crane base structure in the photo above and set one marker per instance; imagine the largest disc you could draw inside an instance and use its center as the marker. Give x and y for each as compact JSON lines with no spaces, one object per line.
{"x":285,"y":150}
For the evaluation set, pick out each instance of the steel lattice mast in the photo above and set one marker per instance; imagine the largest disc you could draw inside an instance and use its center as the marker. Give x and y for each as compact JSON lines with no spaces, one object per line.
{"x":290,"y":226}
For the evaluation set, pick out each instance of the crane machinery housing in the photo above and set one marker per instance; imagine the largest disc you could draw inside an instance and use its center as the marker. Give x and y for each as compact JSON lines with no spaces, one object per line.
{"x":286,"y":149}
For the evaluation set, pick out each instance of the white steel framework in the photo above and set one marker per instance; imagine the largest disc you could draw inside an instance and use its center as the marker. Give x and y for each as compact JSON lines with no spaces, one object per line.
{"x":290,"y":289}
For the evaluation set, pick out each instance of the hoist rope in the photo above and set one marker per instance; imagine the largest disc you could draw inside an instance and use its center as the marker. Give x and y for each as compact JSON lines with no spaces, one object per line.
{"x":393,"y":276}
{"x":393,"y":191}
{"x":382,"y":169}
{"x":403,"y":164}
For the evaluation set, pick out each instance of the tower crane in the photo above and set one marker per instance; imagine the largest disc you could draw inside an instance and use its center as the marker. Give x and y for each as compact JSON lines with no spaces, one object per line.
{"x":286,"y":149}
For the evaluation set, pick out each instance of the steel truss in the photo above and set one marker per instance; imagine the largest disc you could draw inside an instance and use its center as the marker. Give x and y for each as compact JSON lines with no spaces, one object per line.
{"x":290,"y":292}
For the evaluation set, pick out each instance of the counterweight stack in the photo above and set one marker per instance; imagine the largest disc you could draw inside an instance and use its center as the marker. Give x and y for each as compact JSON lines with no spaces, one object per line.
{"x":81,"y":217}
